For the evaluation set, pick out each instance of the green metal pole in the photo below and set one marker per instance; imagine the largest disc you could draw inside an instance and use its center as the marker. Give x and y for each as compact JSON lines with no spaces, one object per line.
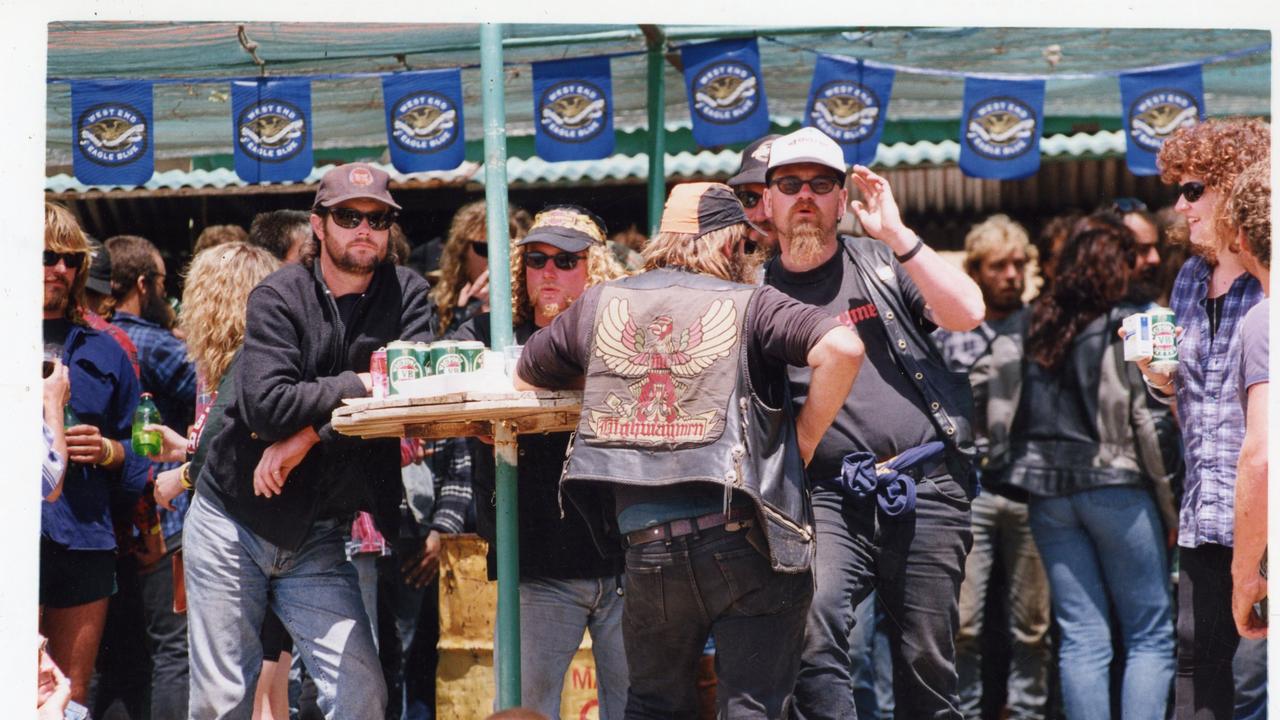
{"x":657,"y":133}
{"x":495,"y":192}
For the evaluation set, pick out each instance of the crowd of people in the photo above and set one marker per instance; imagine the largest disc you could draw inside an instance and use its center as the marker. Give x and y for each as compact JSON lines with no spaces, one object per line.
{"x":812,"y":453}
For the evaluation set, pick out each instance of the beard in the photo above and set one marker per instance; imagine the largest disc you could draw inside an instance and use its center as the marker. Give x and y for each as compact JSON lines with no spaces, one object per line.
{"x":156,"y":309}
{"x":55,"y":297}
{"x":1144,"y":286}
{"x":744,"y":267}
{"x":807,"y":242}
{"x":346,"y":260}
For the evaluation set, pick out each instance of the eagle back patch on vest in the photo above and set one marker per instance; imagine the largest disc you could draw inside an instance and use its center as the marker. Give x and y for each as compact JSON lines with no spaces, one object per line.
{"x":663,"y":367}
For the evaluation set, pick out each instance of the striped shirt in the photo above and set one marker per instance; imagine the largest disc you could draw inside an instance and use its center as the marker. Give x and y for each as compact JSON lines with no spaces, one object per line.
{"x":1208,"y":388}
{"x":53,"y":466}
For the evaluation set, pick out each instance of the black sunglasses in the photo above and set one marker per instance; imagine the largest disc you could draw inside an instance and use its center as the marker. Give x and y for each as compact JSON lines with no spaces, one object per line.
{"x":72,"y":260}
{"x":480,"y":248}
{"x":1192,"y":191}
{"x":1126,"y":205}
{"x":747,"y":198}
{"x":564,"y":260}
{"x":749,"y":247}
{"x":820,"y":185}
{"x":350,"y":219}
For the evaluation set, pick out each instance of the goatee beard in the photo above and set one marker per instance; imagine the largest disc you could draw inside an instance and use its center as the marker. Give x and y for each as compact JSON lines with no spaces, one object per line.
{"x":806,"y":243}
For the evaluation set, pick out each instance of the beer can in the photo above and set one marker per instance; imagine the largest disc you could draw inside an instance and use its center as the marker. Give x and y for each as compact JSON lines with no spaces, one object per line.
{"x":1164,"y":340}
{"x":378,"y":371}
{"x":445,"y":358}
{"x":422,"y":350}
{"x":402,"y":364}
{"x":472,"y":352}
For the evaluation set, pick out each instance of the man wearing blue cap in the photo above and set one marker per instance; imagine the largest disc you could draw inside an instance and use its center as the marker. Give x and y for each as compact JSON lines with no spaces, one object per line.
{"x":901,"y":529}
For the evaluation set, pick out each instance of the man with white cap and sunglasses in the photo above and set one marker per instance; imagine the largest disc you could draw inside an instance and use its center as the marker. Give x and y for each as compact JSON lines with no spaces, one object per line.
{"x":892,"y":478}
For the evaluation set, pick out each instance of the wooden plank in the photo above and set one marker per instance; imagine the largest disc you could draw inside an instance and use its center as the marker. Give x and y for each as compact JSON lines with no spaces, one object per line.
{"x":463,"y":414}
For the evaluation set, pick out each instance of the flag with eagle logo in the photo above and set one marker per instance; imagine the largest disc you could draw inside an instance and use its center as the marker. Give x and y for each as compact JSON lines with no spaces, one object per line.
{"x":1001,"y":127}
{"x":848,"y":101}
{"x":726,"y":92}
{"x":424,"y":120}
{"x":112,"y":126}
{"x":271,"y":129}
{"x":1155,"y":105}
{"x":573,"y":106}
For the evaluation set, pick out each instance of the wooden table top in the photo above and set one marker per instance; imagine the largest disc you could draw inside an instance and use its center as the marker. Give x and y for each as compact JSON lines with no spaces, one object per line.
{"x":459,"y":414}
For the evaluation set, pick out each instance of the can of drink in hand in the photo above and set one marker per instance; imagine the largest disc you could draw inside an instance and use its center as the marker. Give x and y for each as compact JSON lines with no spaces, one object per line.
{"x":1164,"y":340}
{"x":472,"y":352}
{"x":402,"y":364}
{"x":445,"y":358}
{"x":378,"y":371}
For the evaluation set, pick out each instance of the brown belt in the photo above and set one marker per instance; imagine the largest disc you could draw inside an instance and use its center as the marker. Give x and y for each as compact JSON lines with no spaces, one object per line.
{"x":739,"y":516}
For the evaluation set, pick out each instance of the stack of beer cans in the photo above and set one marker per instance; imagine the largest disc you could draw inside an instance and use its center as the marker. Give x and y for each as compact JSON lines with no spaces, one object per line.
{"x":402,"y":360}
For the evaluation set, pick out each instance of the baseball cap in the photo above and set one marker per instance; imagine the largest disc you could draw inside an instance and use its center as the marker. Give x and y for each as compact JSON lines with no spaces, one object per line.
{"x":353,"y":180}
{"x":569,"y":228}
{"x":698,"y":208}
{"x":755,"y":161}
{"x":807,"y":145}
{"x":99,"y":279}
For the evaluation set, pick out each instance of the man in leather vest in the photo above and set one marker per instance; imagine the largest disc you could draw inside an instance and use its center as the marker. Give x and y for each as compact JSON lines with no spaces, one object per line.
{"x":687,"y":452}
{"x":902,"y":531}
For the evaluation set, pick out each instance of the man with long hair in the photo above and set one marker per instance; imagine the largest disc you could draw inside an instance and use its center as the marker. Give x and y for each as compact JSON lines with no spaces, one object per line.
{"x":688,"y":453}
{"x":1210,"y":297}
{"x":565,"y":587}
{"x":77,"y":543}
{"x":279,"y":485}
{"x":463,"y":288}
{"x":893,"y":290}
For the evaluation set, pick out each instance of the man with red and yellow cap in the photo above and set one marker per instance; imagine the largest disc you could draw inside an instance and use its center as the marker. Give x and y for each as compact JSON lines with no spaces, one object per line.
{"x":688,"y":455}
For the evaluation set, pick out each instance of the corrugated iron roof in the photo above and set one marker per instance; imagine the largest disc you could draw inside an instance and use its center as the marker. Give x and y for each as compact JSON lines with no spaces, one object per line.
{"x":535,"y":171}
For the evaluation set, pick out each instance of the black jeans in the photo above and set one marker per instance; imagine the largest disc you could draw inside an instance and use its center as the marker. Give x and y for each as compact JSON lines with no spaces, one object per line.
{"x":1204,"y":688}
{"x":167,"y":639}
{"x":915,"y":562}
{"x":715,"y":583}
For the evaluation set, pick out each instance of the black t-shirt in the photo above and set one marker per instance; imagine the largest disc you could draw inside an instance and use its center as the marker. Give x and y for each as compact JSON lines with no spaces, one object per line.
{"x":347,"y":305}
{"x":884,"y":413}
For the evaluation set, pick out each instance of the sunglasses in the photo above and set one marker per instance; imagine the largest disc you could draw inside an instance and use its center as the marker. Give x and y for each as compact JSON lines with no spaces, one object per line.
{"x":350,"y":219}
{"x":1192,"y":191}
{"x":749,"y":247}
{"x":747,"y":198}
{"x":480,"y":248}
{"x":1126,"y":205}
{"x":73,"y":261}
{"x":564,"y":260}
{"x":820,"y":185}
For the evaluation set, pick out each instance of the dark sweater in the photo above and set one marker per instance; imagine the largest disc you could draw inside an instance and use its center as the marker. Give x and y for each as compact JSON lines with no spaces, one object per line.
{"x":298,"y":362}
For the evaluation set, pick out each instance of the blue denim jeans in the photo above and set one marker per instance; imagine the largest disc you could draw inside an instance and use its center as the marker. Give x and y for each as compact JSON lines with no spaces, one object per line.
{"x":553,"y":616}
{"x":232,"y":575}
{"x":915,"y":563}
{"x":1001,"y":535}
{"x":714,"y":582}
{"x":1101,"y":548}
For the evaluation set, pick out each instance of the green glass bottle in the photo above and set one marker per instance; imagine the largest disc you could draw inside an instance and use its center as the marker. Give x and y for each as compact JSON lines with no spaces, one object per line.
{"x":146,"y":442}
{"x":69,"y":416}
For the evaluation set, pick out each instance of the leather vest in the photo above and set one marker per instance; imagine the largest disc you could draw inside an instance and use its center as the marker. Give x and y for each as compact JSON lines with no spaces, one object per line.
{"x":669,"y":400}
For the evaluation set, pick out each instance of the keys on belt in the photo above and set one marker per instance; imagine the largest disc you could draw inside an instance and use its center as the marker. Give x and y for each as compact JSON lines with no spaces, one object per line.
{"x":738,"y":518}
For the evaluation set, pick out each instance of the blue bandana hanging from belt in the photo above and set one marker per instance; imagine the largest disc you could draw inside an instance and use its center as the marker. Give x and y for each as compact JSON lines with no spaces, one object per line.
{"x":893,"y":482}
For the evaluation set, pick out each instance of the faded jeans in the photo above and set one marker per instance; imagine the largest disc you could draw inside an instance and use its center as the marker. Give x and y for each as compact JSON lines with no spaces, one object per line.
{"x":1106,"y":547}
{"x":713,"y":582}
{"x":233,"y":574}
{"x":1001,"y":535}
{"x":553,"y":616}
{"x":915,"y":564}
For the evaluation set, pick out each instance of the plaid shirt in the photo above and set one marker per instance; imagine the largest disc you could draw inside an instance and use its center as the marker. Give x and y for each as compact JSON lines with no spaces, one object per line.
{"x":1208,"y":402}
{"x":170,"y":377}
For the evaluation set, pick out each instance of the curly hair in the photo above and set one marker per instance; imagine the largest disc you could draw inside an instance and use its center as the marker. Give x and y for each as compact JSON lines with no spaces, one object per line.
{"x":1250,"y":208}
{"x":1086,"y":284}
{"x":998,"y":235}
{"x":214,"y":301}
{"x":468,"y":223}
{"x":602,"y":266}
{"x":62,"y":234}
{"x":702,"y":254}
{"x":1215,"y":151}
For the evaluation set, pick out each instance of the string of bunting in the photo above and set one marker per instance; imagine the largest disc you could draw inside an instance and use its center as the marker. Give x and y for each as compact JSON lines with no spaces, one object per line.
{"x":1000,"y":129}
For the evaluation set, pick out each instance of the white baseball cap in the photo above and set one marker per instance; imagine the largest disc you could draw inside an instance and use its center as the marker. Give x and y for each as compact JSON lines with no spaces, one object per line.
{"x":807,"y":145}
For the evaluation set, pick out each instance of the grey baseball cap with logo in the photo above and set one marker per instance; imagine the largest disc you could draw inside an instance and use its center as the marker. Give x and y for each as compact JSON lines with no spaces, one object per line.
{"x":352,"y":181}
{"x":755,"y":162}
{"x":99,"y":279}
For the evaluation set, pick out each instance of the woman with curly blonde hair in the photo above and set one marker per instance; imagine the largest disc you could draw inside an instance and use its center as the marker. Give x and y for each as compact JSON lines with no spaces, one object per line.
{"x":463,"y":288}
{"x":1210,"y":297}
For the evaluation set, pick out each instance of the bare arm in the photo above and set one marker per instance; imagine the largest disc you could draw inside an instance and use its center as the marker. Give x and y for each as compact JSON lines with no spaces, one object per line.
{"x":1247,"y":584}
{"x":952,"y":297}
{"x":835,"y":360}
